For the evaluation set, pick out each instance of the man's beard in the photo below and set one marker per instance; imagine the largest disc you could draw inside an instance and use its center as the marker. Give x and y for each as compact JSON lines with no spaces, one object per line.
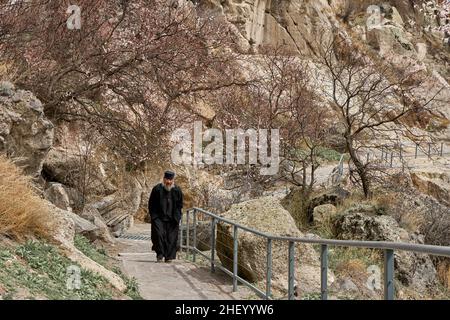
{"x":168,"y":188}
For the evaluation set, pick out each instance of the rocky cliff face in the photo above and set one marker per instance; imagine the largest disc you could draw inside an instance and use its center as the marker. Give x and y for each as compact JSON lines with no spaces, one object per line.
{"x":25,"y":133}
{"x":396,"y":33}
{"x":295,"y":24}
{"x":299,"y":24}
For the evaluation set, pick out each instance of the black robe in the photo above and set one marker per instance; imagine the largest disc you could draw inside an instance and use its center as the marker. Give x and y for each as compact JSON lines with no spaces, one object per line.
{"x":165,"y":225}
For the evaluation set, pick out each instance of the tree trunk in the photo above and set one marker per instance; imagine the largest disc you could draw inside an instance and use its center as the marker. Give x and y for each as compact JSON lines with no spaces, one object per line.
{"x":360,"y":168}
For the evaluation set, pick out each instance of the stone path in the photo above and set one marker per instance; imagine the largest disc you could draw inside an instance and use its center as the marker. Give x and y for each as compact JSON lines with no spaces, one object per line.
{"x":179,"y":280}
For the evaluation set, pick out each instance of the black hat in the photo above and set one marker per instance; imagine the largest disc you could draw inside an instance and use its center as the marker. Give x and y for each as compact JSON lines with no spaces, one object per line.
{"x":169,"y":175}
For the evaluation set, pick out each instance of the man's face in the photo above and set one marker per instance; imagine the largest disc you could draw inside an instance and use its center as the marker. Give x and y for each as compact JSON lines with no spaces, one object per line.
{"x":168,"y":182}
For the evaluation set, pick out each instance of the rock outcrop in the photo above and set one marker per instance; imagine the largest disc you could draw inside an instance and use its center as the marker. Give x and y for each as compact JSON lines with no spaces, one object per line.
{"x":56,"y":194}
{"x":304,"y":210}
{"x":25,"y":133}
{"x":433,"y":181}
{"x":295,"y":24}
{"x":412,"y":269}
{"x":64,"y":236}
{"x":267,"y":215}
{"x":81,"y":225}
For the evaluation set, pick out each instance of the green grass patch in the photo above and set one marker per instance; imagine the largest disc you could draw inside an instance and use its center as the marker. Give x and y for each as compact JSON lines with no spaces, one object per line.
{"x":131,"y":283}
{"x":43,"y":271}
{"x":323,"y":154}
{"x":329,"y":155}
{"x":98,"y":255}
{"x":101,"y":257}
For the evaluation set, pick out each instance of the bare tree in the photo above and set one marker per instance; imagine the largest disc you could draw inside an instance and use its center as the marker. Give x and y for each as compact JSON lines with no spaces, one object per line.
{"x":281,"y":98}
{"x":134,"y":70}
{"x":370,"y":98}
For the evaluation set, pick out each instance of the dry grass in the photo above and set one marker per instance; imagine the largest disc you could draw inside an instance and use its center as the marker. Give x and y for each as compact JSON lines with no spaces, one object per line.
{"x":351,"y":268}
{"x":22,"y":213}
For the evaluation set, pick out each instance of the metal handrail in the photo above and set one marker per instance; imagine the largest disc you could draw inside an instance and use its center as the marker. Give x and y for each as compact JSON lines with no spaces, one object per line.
{"x":388,"y":248}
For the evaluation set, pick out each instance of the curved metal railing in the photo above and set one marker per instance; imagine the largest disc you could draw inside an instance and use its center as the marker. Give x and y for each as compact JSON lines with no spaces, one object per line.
{"x":388,"y":248}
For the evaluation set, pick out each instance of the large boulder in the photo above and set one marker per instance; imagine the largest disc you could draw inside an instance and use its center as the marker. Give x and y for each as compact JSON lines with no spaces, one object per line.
{"x":433,"y":181}
{"x":69,"y":166}
{"x":56,"y":194}
{"x":81,"y":225}
{"x":64,"y":236}
{"x":411,"y":269}
{"x":303,"y":209}
{"x":102,"y":232}
{"x":359,"y":226}
{"x":89,"y":223}
{"x":267,"y":215}
{"x":112,"y":210}
{"x":391,"y":39}
{"x":25,"y":133}
{"x":61,"y":166}
{"x":106,"y":205}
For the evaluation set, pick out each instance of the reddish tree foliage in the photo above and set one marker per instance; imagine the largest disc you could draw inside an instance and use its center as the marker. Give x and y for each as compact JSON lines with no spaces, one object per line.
{"x":133,"y":70}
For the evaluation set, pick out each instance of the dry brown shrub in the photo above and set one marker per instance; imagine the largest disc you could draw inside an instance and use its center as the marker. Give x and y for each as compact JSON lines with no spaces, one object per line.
{"x":22,"y":212}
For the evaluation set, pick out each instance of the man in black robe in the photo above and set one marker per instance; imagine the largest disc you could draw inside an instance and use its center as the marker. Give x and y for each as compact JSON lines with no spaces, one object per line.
{"x":164,"y":206}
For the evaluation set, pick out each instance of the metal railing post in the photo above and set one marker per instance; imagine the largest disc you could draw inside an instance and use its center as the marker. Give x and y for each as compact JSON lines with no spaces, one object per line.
{"x":194,"y":257}
{"x":429,"y":150}
{"x":187,"y":235}
{"x":389,"y":274}
{"x":181,"y":236}
{"x":324,"y":271}
{"x":442,"y":149}
{"x":387,"y":247}
{"x":269,"y":269}
{"x":213,"y":243}
{"x":417,"y":151}
{"x":235,"y":258}
{"x":291,"y":271}
{"x":392,"y":158}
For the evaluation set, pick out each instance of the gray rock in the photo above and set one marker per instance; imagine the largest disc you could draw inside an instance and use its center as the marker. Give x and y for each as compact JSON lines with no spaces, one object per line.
{"x":57,"y":195}
{"x":6,"y":89}
{"x":358,"y":226}
{"x":267,"y":215}
{"x":62,"y":166}
{"x":102,"y":232}
{"x":106,"y":205}
{"x":91,"y":214}
{"x":119,"y":223}
{"x":81,"y":225}
{"x":292,"y":202}
{"x":35,"y":104}
{"x":412,"y":269}
{"x":391,"y":38}
{"x":24,"y":131}
{"x":346,"y":284}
